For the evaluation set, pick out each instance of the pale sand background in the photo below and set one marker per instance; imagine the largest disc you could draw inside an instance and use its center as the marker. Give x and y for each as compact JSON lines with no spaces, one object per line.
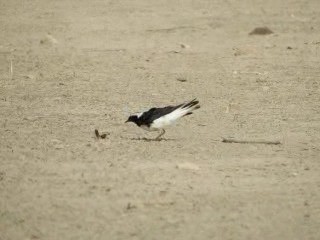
{"x":105,"y":59}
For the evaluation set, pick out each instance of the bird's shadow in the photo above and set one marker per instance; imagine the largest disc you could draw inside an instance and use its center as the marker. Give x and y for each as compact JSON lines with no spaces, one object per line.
{"x":151,"y":139}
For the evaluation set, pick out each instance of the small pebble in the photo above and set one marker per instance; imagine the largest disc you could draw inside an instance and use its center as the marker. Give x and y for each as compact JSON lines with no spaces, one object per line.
{"x":261,"y":31}
{"x":188,"y":166}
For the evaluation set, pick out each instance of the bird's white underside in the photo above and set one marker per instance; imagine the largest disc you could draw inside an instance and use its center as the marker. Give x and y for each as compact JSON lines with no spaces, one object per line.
{"x":170,"y":118}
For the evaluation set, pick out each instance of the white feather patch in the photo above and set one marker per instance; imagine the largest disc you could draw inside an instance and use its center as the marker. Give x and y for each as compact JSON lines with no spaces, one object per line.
{"x":139,"y":114}
{"x":170,"y":118}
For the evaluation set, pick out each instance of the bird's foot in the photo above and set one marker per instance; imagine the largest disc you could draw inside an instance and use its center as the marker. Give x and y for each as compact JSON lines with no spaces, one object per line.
{"x":158,"y":138}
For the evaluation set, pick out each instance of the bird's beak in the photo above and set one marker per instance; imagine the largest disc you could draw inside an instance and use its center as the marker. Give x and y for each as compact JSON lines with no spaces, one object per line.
{"x":126,"y":121}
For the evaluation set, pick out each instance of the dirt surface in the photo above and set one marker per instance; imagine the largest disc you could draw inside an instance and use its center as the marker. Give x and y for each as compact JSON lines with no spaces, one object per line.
{"x":70,"y":67}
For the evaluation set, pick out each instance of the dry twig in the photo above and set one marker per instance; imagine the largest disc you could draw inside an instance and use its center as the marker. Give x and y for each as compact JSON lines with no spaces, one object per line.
{"x":225,"y":140}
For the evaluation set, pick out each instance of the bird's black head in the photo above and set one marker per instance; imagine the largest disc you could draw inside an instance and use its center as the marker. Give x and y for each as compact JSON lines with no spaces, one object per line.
{"x":132,"y":118}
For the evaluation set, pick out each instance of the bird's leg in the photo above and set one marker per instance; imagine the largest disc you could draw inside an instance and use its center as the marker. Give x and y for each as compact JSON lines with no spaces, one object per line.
{"x":160,"y":135}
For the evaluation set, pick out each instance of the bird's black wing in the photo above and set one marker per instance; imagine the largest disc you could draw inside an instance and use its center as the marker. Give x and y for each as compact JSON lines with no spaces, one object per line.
{"x":154,"y":113}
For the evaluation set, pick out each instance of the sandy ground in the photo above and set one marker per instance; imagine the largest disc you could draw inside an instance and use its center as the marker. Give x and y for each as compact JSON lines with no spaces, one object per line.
{"x":81,"y":65}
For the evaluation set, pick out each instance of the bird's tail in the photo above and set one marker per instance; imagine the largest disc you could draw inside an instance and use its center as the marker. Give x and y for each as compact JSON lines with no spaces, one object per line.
{"x":190,"y":106}
{"x":181,"y":111}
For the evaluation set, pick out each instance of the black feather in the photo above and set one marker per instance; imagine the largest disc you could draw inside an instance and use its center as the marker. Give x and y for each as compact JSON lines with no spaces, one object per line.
{"x":148,"y":117}
{"x":191,"y":103}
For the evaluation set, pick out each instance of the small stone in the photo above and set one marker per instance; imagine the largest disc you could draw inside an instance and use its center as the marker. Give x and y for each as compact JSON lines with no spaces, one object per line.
{"x":261,"y":31}
{"x":188,"y":166}
{"x":181,"y":79}
{"x":130,"y":206}
{"x":2,"y":175}
{"x":57,"y":144}
{"x":103,"y":136}
{"x":29,"y":76}
{"x":182,"y":45}
{"x":49,"y":38}
{"x":59,"y":147}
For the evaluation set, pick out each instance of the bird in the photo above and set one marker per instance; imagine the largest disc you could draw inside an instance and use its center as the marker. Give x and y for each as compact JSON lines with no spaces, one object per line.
{"x":155,"y":119}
